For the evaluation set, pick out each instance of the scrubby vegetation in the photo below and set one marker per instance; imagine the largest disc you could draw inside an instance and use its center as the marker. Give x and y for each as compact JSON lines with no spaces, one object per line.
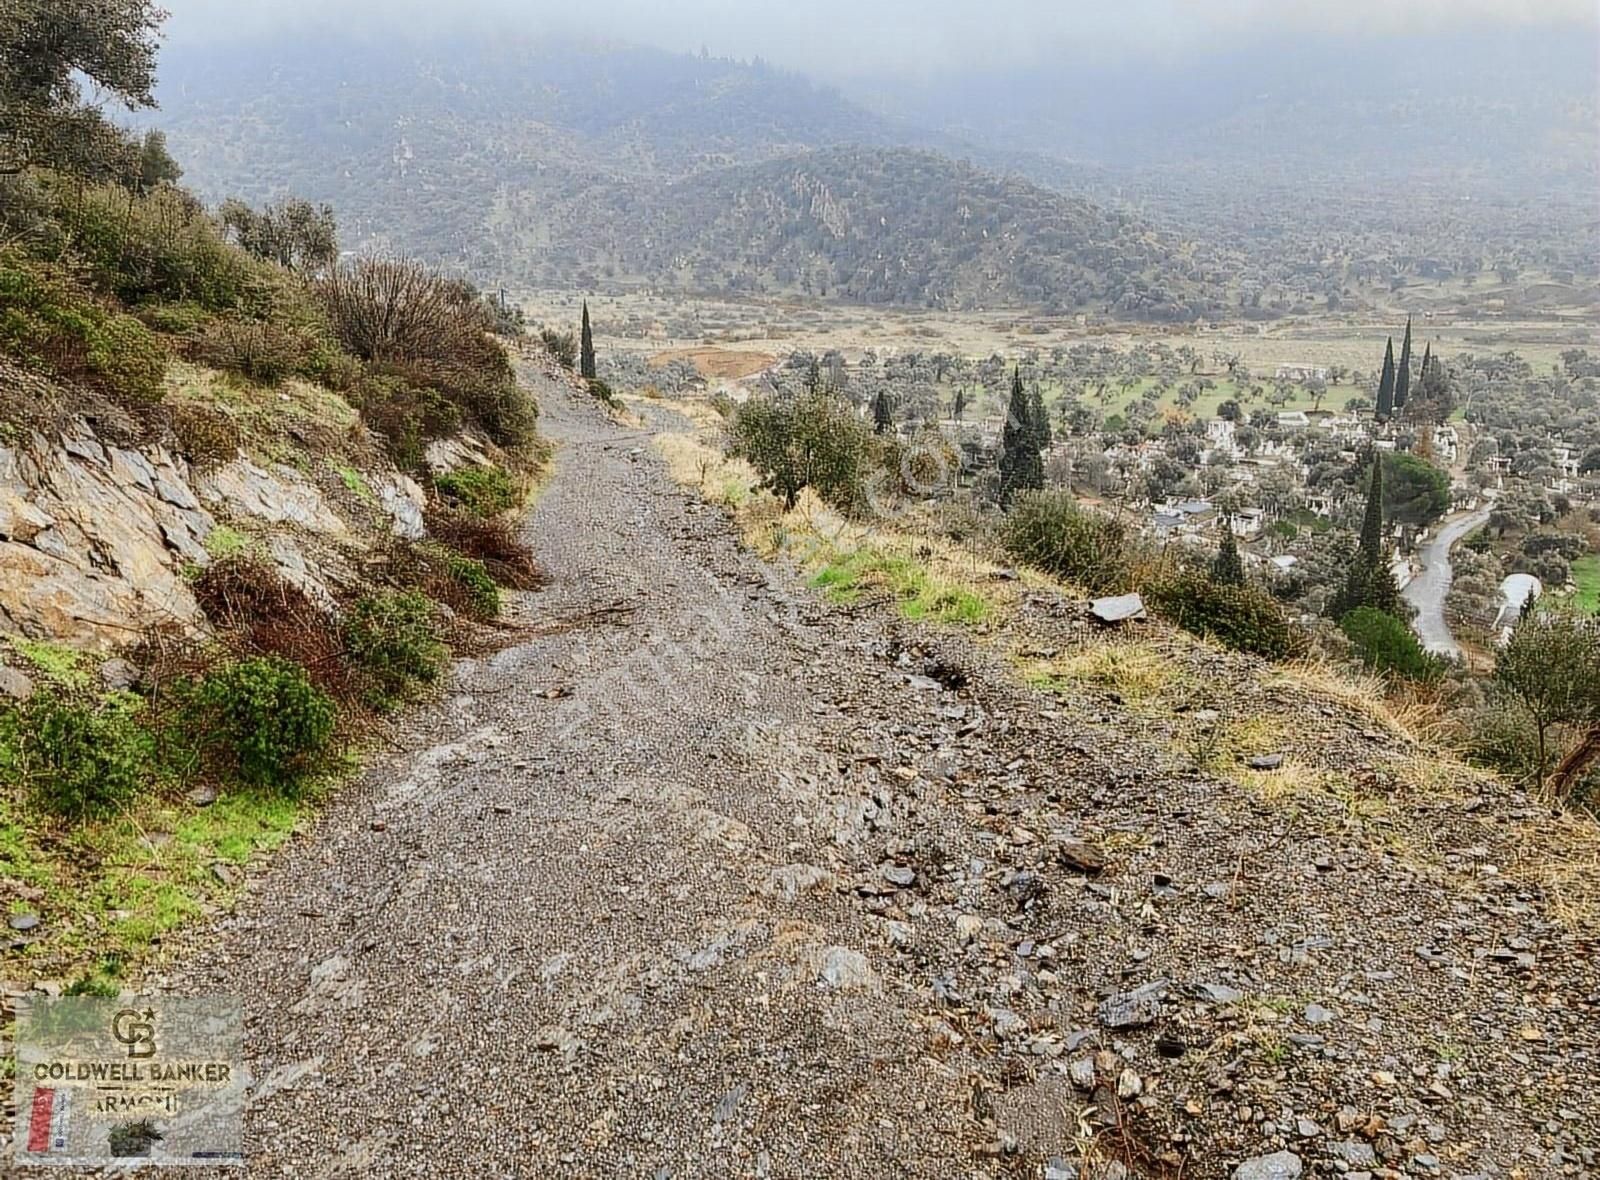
{"x":219,"y":335}
{"x":1244,"y":618}
{"x":482,"y":491}
{"x":1050,"y":531}
{"x":393,"y":638}
{"x":1385,"y":644}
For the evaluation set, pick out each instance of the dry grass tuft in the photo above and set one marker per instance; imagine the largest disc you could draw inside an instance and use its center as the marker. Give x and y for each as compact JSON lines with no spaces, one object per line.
{"x":1560,"y":854}
{"x":1415,"y":718}
{"x":1140,"y":671}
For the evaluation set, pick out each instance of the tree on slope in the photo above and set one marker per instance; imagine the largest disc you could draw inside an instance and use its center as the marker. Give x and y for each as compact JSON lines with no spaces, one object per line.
{"x":1370,"y":581}
{"x":1227,"y":568}
{"x":1386,"y":385}
{"x":50,"y":50}
{"x":882,"y":413}
{"x":1040,"y":418}
{"x":1551,"y":666}
{"x":586,"y":365}
{"x":1021,"y":465}
{"x":1402,"y":379}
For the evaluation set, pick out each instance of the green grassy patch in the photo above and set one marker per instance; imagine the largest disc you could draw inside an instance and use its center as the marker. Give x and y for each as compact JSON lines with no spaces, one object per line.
{"x":1586,"y":575}
{"x":918,"y":594}
{"x":223,"y":541}
{"x":356,"y":483}
{"x":107,"y":891}
{"x":67,"y":667}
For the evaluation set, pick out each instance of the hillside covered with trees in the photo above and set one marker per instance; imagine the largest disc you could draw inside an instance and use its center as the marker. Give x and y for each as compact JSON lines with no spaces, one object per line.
{"x":638,"y":167}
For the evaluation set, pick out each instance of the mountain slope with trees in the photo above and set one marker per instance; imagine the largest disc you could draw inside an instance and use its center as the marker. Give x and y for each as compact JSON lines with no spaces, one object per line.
{"x":614,"y":167}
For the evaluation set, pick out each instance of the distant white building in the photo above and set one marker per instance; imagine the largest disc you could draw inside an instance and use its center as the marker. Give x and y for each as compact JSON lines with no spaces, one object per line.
{"x":1247,"y":522}
{"x":1515,"y":592}
{"x":1301,"y":373}
{"x":1565,"y":459}
{"x":1319,"y":504}
{"x":1446,"y":442}
{"x":1293,"y":420}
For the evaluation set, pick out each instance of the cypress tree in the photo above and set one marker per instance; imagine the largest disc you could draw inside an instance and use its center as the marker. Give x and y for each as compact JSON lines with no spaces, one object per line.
{"x":1370,"y":581}
{"x":1227,"y":568}
{"x":1372,"y":522}
{"x":586,"y":366}
{"x":1040,"y":418}
{"x":814,"y":376}
{"x":1402,"y":380}
{"x":960,"y":406}
{"x":1021,"y":466}
{"x":882,"y":415}
{"x":1386,"y":385}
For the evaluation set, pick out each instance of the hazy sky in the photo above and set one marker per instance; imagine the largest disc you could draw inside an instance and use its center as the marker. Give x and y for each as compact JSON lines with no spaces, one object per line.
{"x":856,"y":37}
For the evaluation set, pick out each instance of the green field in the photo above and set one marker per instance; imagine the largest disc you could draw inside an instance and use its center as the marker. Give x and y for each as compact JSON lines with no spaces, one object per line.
{"x":1586,"y":574}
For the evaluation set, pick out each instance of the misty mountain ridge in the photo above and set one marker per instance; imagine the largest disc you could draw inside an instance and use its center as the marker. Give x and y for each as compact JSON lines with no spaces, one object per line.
{"x":550,"y":162}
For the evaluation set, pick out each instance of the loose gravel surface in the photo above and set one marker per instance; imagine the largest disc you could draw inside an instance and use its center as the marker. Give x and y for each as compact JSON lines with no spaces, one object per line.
{"x":707,"y":878}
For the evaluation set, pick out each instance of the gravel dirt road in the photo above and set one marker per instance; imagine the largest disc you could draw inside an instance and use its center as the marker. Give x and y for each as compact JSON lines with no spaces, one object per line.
{"x":705,"y":878}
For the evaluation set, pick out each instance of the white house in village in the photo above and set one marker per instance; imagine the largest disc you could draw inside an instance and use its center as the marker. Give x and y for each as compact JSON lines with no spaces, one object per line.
{"x":1247,"y":522}
{"x":1293,"y":420}
{"x":1446,"y":442}
{"x":1565,"y":460}
{"x":1301,"y":373}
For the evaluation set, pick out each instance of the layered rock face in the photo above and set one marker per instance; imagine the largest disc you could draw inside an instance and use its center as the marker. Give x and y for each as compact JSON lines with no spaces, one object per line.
{"x":95,"y":539}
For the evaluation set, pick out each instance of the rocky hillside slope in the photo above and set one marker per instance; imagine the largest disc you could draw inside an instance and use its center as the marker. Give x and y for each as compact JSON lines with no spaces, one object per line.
{"x":824,"y":891}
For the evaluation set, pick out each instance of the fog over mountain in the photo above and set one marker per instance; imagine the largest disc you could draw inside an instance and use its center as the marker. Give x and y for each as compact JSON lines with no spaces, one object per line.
{"x":518,"y":141}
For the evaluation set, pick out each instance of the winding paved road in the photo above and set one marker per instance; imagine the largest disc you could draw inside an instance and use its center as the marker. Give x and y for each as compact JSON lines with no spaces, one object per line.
{"x":1428,"y":589}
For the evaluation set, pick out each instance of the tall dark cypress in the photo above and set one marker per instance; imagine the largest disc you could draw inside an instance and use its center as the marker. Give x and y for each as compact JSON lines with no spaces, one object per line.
{"x":586,"y":366}
{"x":1040,"y":418}
{"x":882,"y":414}
{"x":1021,"y":466}
{"x":1372,"y":522}
{"x":1402,"y":380}
{"x":1370,"y":581}
{"x":1386,"y":385}
{"x":1227,"y":568}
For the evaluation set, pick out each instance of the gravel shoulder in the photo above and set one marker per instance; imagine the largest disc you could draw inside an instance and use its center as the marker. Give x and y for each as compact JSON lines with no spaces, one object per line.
{"x":708,"y":878}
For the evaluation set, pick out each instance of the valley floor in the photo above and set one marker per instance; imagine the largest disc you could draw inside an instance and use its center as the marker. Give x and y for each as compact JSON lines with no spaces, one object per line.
{"x":709,"y":878}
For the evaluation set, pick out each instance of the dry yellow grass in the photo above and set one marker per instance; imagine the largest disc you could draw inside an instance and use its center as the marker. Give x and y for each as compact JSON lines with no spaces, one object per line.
{"x":1560,"y":853}
{"x":1412,"y":718}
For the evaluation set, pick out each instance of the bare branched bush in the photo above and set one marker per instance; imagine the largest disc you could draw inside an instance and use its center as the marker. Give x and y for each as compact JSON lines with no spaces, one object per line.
{"x":395,"y":310}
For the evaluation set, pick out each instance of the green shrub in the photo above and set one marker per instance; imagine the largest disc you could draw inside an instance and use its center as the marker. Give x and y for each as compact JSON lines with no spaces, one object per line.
{"x":604,"y":392}
{"x":407,"y":417}
{"x":161,"y":246}
{"x":813,"y":441}
{"x":50,"y":321}
{"x":482,"y":594}
{"x":176,"y":319}
{"x":1051,"y":531}
{"x":1501,"y":736}
{"x":482,"y":491}
{"x":260,"y":351}
{"x":208,"y":437}
{"x":263,"y":719}
{"x":392,"y":638}
{"x":563,"y":346}
{"x":1385,"y":644}
{"x":1241,"y":617}
{"x":82,"y":760}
